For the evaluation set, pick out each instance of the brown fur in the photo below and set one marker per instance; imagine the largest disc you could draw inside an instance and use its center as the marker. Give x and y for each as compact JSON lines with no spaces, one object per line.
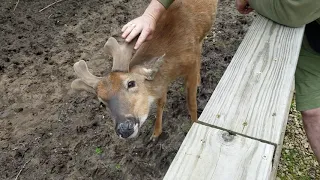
{"x":109,"y":86}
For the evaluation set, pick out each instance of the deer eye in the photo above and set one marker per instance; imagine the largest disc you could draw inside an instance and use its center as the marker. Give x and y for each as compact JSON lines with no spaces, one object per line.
{"x":131,"y":84}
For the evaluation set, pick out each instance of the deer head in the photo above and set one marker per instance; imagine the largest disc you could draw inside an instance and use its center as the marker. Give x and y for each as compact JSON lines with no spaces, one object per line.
{"x":125,"y":92}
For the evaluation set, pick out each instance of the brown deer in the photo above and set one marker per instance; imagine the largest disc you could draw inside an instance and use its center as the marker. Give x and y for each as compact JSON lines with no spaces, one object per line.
{"x":174,"y":51}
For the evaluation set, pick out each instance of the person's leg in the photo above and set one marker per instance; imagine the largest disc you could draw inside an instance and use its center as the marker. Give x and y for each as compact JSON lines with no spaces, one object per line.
{"x":311,"y":123}
{"x":307,"y":86}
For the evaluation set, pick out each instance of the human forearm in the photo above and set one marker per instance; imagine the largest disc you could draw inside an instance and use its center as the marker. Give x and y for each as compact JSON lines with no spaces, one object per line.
{"x":154,"y":10}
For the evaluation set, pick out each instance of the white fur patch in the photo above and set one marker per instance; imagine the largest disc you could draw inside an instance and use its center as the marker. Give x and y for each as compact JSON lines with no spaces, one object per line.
{"x":135,"y":133}
{"x":150,"y":100}
{"x":147,"y":71}
{"x":102,"y":101}
{"x":142,"y":119}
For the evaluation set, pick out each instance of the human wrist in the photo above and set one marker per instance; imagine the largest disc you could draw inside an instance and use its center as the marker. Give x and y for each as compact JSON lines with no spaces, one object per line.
{"x":154,"y":10}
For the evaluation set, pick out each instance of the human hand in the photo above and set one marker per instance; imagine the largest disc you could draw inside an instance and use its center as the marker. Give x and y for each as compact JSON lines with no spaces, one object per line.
{"x":143,"y":25}
{"x":243,"y":6}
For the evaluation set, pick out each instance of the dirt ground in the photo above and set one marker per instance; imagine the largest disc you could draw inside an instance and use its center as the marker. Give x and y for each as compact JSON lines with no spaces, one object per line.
{"x":55,"y":133}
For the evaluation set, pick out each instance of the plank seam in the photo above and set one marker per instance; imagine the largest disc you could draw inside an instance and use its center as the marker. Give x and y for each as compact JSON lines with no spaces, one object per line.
{"x":236,"y":133}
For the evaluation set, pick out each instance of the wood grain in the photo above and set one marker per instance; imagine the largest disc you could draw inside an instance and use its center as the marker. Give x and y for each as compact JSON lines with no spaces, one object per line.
{"x":253,"y":96}
{"x":208,"y":153}
{"x":277,"y":153}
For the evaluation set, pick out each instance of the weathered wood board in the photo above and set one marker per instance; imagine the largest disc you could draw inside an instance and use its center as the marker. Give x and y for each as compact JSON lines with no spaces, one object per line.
{"x":208,"y":153}
{"x":253,"y":96}
{"x":277,"y":153}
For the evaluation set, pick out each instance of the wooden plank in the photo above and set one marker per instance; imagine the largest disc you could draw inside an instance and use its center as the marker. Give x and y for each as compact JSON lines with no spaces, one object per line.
{"x":253,"y":96}
{"x":208,"y":153}
{"x":277,"y":155}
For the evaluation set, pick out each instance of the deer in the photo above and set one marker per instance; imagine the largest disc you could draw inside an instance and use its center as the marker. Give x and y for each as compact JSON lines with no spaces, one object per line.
{"x":132,"y":87}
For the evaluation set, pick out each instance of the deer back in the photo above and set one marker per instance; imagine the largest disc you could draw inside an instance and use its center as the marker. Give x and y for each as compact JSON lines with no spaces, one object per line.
{"x":179,"y":32}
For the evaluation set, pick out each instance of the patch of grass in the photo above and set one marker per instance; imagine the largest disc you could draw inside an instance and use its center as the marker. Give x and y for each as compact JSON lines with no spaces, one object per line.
{"x":185,"y":127}
{"x":98,"y":150}
{"x":297,"y":160}
{"x":118,"y":166}
{"x":181,"y":89}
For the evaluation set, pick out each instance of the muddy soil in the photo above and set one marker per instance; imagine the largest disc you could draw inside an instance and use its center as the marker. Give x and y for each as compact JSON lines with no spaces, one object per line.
{"x":56,"y":133}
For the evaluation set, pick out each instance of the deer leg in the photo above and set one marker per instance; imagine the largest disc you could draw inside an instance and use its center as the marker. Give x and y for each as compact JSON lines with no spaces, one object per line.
{"x":158,"y":124}
{"x":199,"y":66}
{"x":191,"y":91}
{"x":198,"y":74}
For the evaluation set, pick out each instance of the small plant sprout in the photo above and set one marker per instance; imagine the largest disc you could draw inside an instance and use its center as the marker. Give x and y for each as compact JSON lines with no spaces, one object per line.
{"x":118,"y":166}
{"x":98,"y":150}
{"x":181,"y":90}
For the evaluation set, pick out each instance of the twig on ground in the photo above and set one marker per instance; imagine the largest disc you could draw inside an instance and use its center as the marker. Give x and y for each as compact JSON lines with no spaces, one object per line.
{"x":16,"y":5}
{"x":22,"y":169}
{"x":103,"y":164}
{"x":50,"y":5}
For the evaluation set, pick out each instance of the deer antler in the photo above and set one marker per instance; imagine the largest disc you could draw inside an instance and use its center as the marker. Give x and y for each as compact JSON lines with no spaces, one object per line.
{"x":83,"y":73}
{"x":121,"y":54}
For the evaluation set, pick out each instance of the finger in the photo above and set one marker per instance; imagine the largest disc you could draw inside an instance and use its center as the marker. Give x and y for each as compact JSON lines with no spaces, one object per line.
{"x":149,"y":37}
{"x":143,"y":36}
{"x":134,"y":33}
{"x":126,"y":26}
{"x":238,"y":6}
{"x":242,"y":10}
{"x":128,"y":30}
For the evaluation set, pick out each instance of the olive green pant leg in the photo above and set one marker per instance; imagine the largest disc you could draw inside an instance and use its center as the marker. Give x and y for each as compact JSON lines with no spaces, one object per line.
{"x":307,"y":78}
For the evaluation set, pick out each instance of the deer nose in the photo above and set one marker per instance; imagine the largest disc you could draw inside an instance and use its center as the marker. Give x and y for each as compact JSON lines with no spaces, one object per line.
{"x":125,"y":129}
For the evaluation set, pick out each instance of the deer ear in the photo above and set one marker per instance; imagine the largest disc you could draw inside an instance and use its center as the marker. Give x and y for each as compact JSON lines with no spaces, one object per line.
{"x":80,"y":85}
{"x":155,"y":68}
{"x":150,"y":71}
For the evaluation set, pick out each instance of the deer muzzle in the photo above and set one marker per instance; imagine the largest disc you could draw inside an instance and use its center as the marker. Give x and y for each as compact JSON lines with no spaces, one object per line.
{"x":128,"y":128}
